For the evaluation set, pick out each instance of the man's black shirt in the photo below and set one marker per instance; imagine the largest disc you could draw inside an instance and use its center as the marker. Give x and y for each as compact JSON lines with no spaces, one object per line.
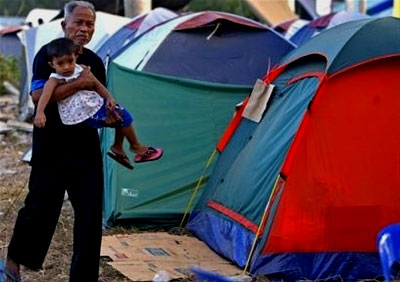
{"x":59,"y":145}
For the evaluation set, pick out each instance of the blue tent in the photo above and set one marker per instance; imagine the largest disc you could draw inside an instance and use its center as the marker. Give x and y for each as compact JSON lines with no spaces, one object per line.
{"x":132,"y":30}
{"x":207,"y":46}
{"x":10,"y":45}
{"x":309,"y":30}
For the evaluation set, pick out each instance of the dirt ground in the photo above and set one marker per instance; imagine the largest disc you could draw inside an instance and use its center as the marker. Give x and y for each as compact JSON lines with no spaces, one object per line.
{"x":13,"y":187}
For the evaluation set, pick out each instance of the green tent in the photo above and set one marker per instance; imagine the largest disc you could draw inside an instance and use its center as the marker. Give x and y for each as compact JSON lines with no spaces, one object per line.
{"x":184,"y":117}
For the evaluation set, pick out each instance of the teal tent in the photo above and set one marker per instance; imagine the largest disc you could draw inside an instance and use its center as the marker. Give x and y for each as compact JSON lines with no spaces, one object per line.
{"x":186,"y":118}
{"x":181,"y":80}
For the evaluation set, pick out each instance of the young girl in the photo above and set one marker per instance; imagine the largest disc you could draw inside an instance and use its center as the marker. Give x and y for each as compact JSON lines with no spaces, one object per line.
{"x":89,"y":106}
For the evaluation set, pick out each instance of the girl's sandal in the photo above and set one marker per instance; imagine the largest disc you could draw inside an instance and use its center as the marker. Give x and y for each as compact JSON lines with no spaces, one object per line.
{"x":151,"y":154}
{"x":120,"y":158}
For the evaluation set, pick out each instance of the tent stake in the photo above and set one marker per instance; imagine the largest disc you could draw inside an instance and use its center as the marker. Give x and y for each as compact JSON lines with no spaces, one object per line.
{"x":260,"y":225}
{"x":189,"y":205}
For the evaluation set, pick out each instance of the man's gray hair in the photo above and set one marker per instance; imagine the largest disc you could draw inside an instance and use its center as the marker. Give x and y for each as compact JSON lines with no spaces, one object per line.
{"x":70,"y":7}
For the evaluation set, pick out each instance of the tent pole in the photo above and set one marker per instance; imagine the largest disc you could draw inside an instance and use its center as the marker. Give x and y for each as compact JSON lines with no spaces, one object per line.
{"x":396,"y":8}
{"x":260,"y":225}
{"x":189,"y":205}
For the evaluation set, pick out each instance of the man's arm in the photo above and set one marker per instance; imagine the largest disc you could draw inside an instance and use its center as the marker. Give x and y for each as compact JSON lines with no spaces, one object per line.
{"x":85,"y":81}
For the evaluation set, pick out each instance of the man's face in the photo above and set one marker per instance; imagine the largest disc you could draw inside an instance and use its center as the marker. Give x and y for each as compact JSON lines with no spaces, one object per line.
{"x":79,"y":26}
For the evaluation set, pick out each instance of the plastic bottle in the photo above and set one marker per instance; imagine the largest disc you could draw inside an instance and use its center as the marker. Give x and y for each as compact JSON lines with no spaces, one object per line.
{"x":161,"y":276}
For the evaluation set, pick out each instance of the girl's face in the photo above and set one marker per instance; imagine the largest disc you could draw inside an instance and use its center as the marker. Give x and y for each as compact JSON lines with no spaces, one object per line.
{"x":64,"y":65}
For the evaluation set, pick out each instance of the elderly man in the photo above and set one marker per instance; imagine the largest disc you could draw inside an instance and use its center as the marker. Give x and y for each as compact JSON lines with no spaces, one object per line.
{"x":64,"y":158}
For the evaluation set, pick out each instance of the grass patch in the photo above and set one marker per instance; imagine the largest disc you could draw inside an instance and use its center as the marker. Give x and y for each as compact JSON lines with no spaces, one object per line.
{"x":9,"y":71}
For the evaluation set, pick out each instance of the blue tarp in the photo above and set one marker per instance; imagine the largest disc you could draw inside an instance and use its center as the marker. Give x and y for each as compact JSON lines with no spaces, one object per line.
{"x":332,"y":266}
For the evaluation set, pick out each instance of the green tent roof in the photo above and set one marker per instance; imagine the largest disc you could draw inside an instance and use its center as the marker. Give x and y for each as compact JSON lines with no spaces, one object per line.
{"x":353,"y":42}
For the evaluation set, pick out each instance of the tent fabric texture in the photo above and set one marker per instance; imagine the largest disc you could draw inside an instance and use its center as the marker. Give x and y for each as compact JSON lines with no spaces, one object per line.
{"x":136,"y":27}
{"x":10,"y":45}
{"x":290,"y":27}
{"x":181,"y":80}
{"x":312,"y":184}
{"x":156,"y":193}
{"x":309,"y":30}
{"x":36,"y":17}
{"x":208,"y":46}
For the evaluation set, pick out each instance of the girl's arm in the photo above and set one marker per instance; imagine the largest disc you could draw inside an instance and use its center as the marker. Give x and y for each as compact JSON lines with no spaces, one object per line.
{"x":113,"y":118}
{"x":103,"y":92}
{"x":48,"y":89}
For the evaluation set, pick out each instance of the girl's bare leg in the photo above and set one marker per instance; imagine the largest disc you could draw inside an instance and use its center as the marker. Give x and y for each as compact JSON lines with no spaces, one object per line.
{"x":118,"y":142}
{"x":130,"y":134}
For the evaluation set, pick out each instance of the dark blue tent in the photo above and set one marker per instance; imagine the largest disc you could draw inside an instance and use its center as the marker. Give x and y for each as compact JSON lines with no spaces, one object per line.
{"x":207,"y":46}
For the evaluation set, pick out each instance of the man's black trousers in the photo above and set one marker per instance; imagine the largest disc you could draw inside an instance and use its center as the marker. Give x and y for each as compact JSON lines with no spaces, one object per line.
{"x":38,"y":218}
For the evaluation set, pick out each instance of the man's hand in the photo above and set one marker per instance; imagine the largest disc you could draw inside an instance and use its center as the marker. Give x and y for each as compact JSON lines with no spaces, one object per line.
{"x":110,"y":103}
{"x":86,"y":79}
{"x":113,"y":118}
{"x":40,"y":119}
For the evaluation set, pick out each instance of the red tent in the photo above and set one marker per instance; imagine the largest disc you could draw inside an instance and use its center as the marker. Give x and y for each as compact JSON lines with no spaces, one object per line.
{"x":313,"y":182}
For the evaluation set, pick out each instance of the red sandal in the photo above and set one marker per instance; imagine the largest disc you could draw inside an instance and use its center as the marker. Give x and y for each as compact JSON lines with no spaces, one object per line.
{"x":151,"y":154}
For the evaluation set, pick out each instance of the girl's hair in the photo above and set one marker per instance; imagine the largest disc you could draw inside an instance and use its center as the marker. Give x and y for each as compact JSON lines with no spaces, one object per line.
{"x":60,"y":47}
{"x":70,"y":6}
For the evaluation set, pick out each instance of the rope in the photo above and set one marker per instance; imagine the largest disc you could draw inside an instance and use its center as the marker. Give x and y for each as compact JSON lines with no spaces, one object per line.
{"x":214,"y":31}
{"x":189,"y":205}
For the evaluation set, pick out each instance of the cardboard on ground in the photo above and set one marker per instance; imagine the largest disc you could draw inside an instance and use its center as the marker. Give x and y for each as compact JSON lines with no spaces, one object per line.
{"x":140,"y":256}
